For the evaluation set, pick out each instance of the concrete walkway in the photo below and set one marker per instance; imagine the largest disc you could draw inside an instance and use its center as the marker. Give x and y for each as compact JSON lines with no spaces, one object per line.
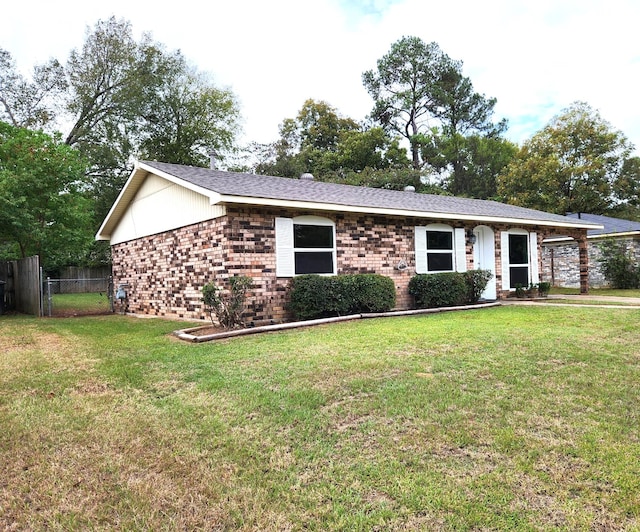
{"x":583,"y":300}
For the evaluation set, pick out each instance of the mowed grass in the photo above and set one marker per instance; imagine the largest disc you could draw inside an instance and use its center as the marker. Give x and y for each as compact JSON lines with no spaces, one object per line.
{"x":74,"y":304}
{"x":508,"y":418}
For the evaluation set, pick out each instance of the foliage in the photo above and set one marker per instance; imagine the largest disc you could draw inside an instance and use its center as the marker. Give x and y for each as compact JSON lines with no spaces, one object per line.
{"x":42,"y":210}
{"x":120,"y":97}
{"x":476,"y":281}
{"x":30,"y":103}
{"x":448,"y":289}
{"x":575,"y":164}
{"x":227,"y":307}
{"x":467,"y":166}
{"x":315,"y":296}
{"x":367,"y":292}
{"x":416,"y":86}
{"x":322,"y":142}
{"x":543,"y":288}
{"x":620,"y":268}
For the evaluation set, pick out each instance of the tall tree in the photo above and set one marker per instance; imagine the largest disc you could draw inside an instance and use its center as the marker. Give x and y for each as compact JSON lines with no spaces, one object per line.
{"x":574,"y":164}
{"x":42,"y":208}
{"x":404,"y":88}
{"x":421,"y":93}
{"x":31,"y":103}
{"x":187,"y":117}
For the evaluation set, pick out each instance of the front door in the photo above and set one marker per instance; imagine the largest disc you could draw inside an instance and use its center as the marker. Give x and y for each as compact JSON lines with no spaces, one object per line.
{"x":484,"y":257}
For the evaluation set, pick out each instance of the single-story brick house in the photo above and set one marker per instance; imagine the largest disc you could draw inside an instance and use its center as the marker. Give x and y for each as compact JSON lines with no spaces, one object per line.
{"x":560,"y":262}
{"x":175,"y":228}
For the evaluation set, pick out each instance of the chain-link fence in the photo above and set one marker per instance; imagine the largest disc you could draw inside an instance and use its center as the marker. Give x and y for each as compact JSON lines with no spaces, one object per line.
{"x":77,"y":297}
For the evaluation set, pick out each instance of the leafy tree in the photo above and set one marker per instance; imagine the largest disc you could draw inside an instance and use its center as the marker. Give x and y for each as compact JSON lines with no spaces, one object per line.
{"x":30,"y":103}
{"x":418,"y":89}
{"x":404,"y":88}
{"x":467,"y":166}
{"x":329,"y":146}
{"x":619,"y":265}
{"x":575,"y":164}
{"x":42,"y":209}
{"x":187,"y":117}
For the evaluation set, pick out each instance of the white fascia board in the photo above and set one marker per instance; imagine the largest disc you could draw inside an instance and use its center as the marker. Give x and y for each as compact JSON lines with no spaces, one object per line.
{"x":185,"y":184}
{"x":396,"y":212}
{"x":614,"y":235}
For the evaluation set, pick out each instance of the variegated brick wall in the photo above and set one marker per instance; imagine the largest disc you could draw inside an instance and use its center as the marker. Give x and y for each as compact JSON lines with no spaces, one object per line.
{"x":165,"y":272}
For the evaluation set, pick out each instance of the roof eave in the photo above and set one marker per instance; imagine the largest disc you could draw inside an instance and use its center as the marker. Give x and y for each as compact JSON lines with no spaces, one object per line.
{"x":298,"y":204}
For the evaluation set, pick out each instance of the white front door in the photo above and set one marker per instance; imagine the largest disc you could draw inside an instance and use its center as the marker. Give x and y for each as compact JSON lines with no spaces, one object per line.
{"x":484,"y":257}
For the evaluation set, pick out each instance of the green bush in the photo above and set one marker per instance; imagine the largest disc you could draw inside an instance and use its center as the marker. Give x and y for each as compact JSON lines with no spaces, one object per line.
{"x":367,"y":292}
{"x":618,"y":265}
{"x":448,"y":289}
{"x":316,"y":296}
{"x":227,"y":307}
{"x":476,"y":283}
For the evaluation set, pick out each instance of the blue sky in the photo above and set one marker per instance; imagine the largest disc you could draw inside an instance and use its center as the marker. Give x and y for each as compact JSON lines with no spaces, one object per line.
{"x":536,"y":58}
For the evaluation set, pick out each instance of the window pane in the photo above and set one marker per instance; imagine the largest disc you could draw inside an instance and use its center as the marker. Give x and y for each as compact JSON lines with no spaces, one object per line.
{"x":439,"y":240}
{"x":312,"y":236}
{"x":518,"y":249}
{"x":518,"y":275}
{"x":314,"y":262}
{"x":439,"y":262}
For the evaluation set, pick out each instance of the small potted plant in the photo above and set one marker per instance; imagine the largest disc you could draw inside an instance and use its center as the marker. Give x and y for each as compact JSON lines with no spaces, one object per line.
{"x":520,"y":291}
{"x":543,"y":288}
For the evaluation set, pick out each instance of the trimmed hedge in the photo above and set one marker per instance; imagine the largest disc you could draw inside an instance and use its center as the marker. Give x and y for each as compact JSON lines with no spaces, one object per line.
{"x":448,"y":289}
{"x":316,"y":296}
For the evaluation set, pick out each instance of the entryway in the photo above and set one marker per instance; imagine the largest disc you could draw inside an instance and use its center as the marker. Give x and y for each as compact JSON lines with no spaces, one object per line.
{"x":484,"y":258}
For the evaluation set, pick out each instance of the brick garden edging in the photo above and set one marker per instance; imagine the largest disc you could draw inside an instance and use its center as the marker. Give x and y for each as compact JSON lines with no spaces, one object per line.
{"x":184,"y":334}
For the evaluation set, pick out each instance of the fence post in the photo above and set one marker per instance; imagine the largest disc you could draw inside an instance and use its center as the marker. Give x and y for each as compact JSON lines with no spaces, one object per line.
{"x":49,"y":299}
{"x":110,"y":292}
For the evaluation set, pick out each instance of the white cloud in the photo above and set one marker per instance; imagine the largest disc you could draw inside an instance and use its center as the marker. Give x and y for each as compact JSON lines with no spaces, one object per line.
{"x":535,"y":58}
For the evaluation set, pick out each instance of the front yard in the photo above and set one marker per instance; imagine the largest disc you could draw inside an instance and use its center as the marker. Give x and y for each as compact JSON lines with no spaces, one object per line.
{"x":521,"y":418}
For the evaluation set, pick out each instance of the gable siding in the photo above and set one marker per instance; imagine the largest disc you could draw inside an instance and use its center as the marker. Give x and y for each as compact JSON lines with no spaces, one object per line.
{"x":159,"y":206}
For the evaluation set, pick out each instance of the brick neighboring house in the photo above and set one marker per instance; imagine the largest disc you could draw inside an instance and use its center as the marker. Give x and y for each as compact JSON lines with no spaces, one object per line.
{"x":175,"y":228}
{"x":560,"y":262}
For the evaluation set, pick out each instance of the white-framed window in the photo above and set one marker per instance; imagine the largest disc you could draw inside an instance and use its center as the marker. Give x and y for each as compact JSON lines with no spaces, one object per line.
{"x":305,"y":244}
{"x":440,"y":248}
{"x":519,"y":249}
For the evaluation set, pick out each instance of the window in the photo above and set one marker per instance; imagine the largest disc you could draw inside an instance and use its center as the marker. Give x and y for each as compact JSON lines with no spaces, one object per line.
{"x":313,"y":248}
{"x":439,"y":251}
{"x":519,"y":258}
{"x":305,"y":244}
{"x":439,"y":248}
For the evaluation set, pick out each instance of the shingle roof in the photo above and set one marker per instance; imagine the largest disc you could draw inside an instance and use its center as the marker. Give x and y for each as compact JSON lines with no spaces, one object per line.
{"x":610,"y":225}
{"x":304,"y":190}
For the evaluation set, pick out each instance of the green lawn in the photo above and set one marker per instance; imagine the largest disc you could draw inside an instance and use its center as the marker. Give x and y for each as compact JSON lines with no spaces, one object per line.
{"x":75,"y":304}
{"x":507,"y":418}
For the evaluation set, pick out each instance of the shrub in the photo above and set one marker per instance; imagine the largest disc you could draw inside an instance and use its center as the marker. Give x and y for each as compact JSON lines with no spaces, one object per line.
{"x":314,"y":296}
{"x":228,"y":308}
{"x":367,"y":292}
{"x":618,"y":265}
{"x":477,"y":281}
{"x":438,"y":289}
{"x":448,"y":289}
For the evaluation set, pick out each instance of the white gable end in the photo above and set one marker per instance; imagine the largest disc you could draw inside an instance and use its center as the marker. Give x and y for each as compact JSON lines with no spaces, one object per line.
{"x":160,"y":205}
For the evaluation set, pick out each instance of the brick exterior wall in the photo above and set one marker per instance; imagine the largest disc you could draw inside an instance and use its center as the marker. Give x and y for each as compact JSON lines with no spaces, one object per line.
{"x":561,"y":265}
{"x":165,"y":272}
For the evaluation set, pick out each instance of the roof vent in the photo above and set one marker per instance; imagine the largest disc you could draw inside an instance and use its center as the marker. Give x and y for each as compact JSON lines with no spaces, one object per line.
{"x":409,"y":188}
{"x":307,"y":175}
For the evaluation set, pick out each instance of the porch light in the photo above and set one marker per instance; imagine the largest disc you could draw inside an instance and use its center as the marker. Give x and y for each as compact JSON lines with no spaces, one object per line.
{"x":471,"y":237}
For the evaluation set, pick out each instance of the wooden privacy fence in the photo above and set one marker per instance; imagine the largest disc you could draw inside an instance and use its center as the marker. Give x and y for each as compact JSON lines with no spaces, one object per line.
{"x":22,"y":288}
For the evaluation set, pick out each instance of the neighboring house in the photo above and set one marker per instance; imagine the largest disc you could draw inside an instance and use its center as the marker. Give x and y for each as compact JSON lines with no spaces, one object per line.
{"x":175,"y":228}
{"x":560,"y":262}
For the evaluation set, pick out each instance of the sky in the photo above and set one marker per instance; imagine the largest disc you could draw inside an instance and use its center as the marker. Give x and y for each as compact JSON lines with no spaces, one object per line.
{"x":535,"y":57}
